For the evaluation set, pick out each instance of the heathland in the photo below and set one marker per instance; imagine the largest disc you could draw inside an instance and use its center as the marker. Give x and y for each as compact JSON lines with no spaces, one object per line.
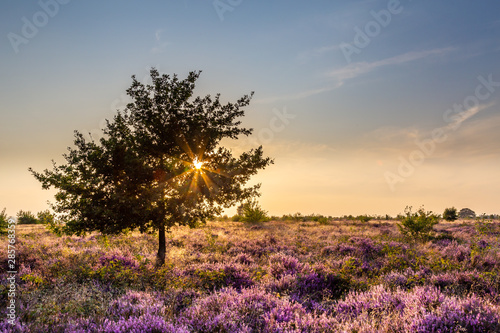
{"x":277,"y":276}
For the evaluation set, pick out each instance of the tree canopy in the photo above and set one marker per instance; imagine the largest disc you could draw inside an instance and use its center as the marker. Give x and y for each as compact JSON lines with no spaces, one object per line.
{"x":159,"y":163}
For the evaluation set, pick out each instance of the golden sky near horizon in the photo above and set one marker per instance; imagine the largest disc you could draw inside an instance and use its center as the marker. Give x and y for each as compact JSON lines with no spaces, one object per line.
{"x":366,"y":107}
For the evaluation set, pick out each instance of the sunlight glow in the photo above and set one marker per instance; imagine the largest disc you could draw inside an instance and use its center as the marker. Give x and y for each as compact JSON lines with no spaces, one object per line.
{"x":197,"y":164}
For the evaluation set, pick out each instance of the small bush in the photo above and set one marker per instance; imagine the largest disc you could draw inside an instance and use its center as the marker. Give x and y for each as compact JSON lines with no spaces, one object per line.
{"x":26,"y":218}
{"x":417,"y":226}
{"x":47,"y":219}
{"x":3,"y":222}
{"x":319,"y":218}
{"x":450,"y":214}
{"x":323,"y":220}
{"x":252,"y":212}
{"x":364,"y":218}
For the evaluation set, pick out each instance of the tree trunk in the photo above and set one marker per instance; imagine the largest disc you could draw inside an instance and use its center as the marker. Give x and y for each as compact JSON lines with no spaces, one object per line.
{"x":162,"y":246}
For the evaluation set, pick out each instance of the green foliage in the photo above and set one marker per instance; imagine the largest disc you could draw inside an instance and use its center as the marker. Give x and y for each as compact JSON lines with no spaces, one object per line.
{"x":35,"y":279}
{"x":320,"y":219}
{"x":211,"y":239}
{"x":26,"y":217}
{"x":450,"y":214}
{"x":3,"y":222}
{"x":142,"y":175}
{"x":323,"y":220}
{"x":237,"y":218}
{"x":419,"y":225}
{"x":252,"y":212}
{"x":46,"y":218}
{"x":210,"y":279}
{"x":466,"y":213}
{"x":223,"y":218}
{"x":484,"y":226}
{"x":364,"y":218}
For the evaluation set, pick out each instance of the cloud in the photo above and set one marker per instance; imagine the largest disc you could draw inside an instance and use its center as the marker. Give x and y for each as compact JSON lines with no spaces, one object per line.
{"x":298,"y":95}
{"x":354,"y":70}
{"x":158,"y":34}
{"x":463,"y":139}
{"x":317,"y":52}
{"x":161,"y":46}
{"x":463,"y":117}
{"x":478,"y":139}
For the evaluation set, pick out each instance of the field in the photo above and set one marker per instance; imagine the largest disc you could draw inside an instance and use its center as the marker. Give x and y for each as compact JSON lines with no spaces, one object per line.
{"x":340,"y":276}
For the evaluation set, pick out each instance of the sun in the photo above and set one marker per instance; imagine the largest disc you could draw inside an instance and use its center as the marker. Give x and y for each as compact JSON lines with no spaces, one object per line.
{"x":197,"y":164}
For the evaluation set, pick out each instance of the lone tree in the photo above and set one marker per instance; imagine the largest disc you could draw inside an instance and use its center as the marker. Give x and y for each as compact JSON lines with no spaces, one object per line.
{"x":466,"y":213}
{"x":450,"y":214}
{"x":158,"y":164}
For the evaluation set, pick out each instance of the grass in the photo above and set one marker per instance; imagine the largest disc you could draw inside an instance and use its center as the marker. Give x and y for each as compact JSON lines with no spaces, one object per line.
{"x":307,"y":277}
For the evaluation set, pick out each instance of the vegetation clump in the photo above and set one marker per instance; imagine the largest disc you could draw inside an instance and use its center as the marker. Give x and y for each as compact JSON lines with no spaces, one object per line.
{"x":225,"y":277}
{"x":450,"y":214}
{"x":4,"y":224}
{"x":252,"y":212}
{"x":467,"y":213}
{"x":26,"y":217}
{"x":418,"y":225}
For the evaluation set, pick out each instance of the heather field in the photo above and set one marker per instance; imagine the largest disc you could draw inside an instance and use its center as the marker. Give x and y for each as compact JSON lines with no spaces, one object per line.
{"x":278,"y":276}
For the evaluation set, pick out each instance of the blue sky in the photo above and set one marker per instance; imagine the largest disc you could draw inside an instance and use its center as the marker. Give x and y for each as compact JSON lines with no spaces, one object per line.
{"x":354,"y":121}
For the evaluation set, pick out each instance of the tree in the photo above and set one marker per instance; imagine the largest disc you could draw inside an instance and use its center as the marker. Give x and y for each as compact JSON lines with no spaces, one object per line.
{"x":26,"y":217}
{"x":4,"y":222}
{"x":417,"y":225}
{"x":450,"y":214}
{"x":466,"y":213}
{"x":159,"y":163}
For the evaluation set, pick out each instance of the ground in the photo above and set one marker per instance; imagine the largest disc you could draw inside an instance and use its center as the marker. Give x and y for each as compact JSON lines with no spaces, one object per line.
{"x":278,"y":276}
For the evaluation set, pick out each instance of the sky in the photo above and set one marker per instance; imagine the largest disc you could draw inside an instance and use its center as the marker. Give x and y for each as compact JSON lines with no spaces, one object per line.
{"x":366,"y":106}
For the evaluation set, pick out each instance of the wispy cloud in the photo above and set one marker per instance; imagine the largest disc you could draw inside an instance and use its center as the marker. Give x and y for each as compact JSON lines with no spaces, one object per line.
{"x":464,"y":116}
{"x":317,"y":52}
{"x":356,"y":69}
{"x":160,"y":46}
{"x":298,"y":95}
{"x":480,"y":135}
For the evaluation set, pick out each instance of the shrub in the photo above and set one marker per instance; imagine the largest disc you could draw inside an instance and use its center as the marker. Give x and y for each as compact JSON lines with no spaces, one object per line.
{"x":450,"y":214}
{"x":323,"y":220}
{"x":364,"y":218}
{"x":423,"y":309}
{"x":51,"y":224}
{"x":320,"y":219}
{"x":252,"y":212}
{"x":26,"y":217}
{"x":3,"y":222}
{"x":281,"y":264}
{"x":417,"y":226}
{"x":215,"y":276}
